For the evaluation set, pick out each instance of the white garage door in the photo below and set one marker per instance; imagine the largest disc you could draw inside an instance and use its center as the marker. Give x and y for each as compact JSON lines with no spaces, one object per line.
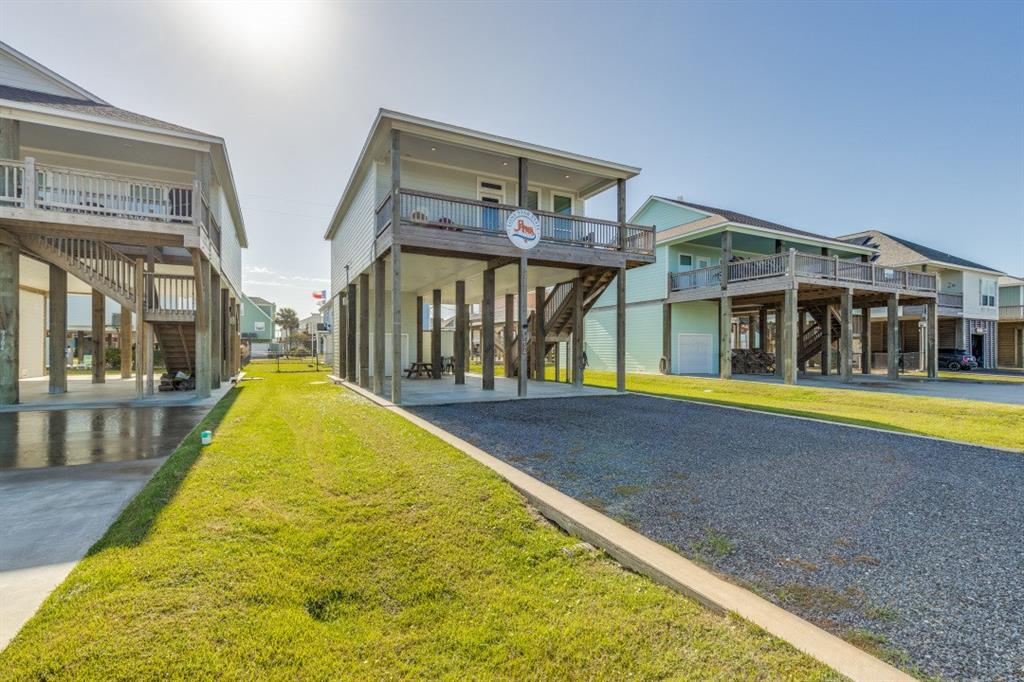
{"x":695,"y":353}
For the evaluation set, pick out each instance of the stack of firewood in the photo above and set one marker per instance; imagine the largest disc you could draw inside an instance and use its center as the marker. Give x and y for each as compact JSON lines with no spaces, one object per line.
{"x":752,"y":361}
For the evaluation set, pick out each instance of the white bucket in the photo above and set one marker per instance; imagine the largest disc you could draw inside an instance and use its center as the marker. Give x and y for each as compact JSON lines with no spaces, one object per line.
{"x":206,"y":437}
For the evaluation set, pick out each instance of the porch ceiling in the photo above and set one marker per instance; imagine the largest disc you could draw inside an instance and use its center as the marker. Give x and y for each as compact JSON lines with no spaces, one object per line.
{"x":37,"y":138}
{"x":422,"y":273}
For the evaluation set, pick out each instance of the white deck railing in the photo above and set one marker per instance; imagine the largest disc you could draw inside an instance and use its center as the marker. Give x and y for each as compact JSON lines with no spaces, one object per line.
{"x":1011,"y":312}
{"x":170,"y":293}
{"x":806,"y":266}
{"x":27,"y":184}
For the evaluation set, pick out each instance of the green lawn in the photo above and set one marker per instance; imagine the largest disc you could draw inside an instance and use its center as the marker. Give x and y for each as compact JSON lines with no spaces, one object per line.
{"x":321,"y":537}
{"x":976,"y":376}
{"x":964,"y":420}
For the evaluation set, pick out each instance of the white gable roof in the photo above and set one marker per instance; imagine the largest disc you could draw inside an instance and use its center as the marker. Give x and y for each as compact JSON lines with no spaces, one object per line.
{"x":20,"y":71}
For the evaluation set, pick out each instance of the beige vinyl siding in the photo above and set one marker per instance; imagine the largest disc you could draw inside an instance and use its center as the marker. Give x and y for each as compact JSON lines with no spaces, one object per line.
{"x":643,"y":338}
{"x":352,"y":244}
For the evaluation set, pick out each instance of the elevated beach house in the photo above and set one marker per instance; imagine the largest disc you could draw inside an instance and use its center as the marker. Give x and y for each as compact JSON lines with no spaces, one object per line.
{"x":439,"y":215}
{"x":731,"y":289}
{"x":1010,"y":329}
{"x":123,"y":207}
{"x":967,"y":298}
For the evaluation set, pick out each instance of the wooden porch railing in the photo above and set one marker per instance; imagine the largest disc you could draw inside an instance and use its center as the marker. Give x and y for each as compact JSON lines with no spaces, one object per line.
{"x":1011,"y":312}
{"x":807,"y":266}
{"x":468,"y":215}
{"x":170,"y":293}
{"x":951,"y":300}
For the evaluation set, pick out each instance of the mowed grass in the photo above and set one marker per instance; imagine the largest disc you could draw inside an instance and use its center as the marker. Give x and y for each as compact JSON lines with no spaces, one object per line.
{"x":321,"y":537}
{"x":963,"y":420}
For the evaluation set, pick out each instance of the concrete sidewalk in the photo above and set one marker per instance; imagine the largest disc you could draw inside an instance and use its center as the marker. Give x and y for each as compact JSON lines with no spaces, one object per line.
{"x":51,"y":518}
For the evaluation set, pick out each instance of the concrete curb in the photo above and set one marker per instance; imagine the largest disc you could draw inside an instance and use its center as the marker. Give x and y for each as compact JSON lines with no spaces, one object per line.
{"x":649,"y":558}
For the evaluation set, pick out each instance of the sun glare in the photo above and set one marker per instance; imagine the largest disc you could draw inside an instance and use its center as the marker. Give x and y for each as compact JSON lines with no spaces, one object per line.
{"x":263,"y":27}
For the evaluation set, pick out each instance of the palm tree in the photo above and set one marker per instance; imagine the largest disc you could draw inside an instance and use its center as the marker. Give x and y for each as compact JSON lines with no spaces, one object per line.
{"x":287,"y":320}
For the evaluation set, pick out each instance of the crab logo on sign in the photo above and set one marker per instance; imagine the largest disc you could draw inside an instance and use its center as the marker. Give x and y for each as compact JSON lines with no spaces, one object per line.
{"x":523,"y":228}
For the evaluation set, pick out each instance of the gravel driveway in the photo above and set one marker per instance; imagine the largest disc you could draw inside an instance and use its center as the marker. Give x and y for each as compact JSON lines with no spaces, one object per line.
{"x":910,"y":546}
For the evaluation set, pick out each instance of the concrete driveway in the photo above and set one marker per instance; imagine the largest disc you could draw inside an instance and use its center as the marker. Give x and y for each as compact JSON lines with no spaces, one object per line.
{"x":866,"y":533}
{"x":64,"y":478}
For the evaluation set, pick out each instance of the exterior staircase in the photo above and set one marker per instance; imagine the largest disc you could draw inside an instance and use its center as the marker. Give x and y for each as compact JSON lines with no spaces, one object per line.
{"x":558,"y":317}
{"x":813,"y":337}
{"x":171,"y":299}
{"x":95,"y":262}
{"x":177,"y":342}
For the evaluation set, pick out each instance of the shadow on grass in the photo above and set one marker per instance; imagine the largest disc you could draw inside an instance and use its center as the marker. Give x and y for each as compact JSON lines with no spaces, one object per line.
{"x":135,"y":522}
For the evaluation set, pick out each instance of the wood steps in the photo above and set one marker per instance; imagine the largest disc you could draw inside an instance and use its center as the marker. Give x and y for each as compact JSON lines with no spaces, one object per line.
{"x":178,"y":344}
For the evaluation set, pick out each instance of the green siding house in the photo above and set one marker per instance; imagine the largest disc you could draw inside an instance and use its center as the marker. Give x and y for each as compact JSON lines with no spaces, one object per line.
{"x":257,"y":320}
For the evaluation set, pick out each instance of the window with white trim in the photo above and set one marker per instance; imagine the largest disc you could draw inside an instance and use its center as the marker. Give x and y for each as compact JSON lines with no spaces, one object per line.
{"x":685,"y":261}
{"x":988,"y":293}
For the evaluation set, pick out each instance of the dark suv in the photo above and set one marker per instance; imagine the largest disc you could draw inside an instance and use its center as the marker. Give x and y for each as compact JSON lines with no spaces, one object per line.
{"x":956,"y":359}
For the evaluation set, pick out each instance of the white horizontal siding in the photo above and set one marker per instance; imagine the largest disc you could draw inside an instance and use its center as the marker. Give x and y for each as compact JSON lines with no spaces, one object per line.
{"x":352,"y":244}
{"x":18,"y":75}
{"x":230,"y":249}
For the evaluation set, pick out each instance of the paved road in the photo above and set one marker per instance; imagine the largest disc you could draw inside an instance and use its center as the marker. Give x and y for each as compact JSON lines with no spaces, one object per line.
{"x":52,"y":511}
{"x":916,"y":540}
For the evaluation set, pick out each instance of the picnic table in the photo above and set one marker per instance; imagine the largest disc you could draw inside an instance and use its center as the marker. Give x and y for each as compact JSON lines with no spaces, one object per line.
{"x":419,"y":369}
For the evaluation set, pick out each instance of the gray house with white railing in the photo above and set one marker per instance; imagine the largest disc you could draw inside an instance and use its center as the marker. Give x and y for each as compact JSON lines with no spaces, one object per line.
{"x":967,"y":297}
{"x":436,"y":215}
{"x":124,"y":207}
{"x":731,"y":293}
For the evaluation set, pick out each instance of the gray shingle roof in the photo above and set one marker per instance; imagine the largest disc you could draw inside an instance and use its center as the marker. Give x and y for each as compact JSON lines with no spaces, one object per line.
{"x":742,"y":218}
{"x":90,"y":108}
{"x":868,"y":239}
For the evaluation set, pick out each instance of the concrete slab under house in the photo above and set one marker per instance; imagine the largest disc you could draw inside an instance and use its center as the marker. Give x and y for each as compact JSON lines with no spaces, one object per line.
{"x":421,"y":229}
{"x":137,"y":217}
{"x":734,"y":294}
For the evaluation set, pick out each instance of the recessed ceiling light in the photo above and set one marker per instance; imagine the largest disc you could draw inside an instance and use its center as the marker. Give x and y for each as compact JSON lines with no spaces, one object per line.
{"x":433,"y":149}
{"x":566,"y":177}
{"x":504,"y":163}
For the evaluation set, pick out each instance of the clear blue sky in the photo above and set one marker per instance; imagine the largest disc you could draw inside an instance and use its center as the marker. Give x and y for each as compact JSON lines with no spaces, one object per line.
{"x":830,"y":117}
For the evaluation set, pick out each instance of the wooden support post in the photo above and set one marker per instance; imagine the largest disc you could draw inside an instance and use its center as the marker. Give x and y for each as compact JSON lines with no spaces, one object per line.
{"x":558,"y":361}
{"x":801,"y":328}
{"x":932,"y":334}
{"x":57,"y":303}
{"x":99,"y":338}
{"x":726,"y":257}
{"x":620,"y":327}
{"x":577,"y":332}
{"x":892,"y":328}
{"x":140,"y":326}
{"x":666,"y":338}
{"x":9,"y":313}
{"x":351,"y":331}
{"x":865,"y":340}
{"x":216,"y":344}
{"x":826,"y":342}
{"x":340,"y":332}
{"x":846,"y":336}
{"x":523,"y":317}
{"x":539,"y":333}
{"x":789,"y":352}
{"x":435,"y":334}
{"x":364,"y":330}
{"x":487,"y":330}
{"x":762,"y":328}
{"x":779,"y":341}
{"x":226,"y":334}
{"x":378,"y":326}
{"x":150,"y":379}
{"x":460,"y":332}
{"x":124,"y":335}
{"x":725,"y":337}
{"x":510,"y":332}
{"x":201,"y":272}
{"x":396,"y":322}
{"x":419,"y":329}
{"x":524,"y":182}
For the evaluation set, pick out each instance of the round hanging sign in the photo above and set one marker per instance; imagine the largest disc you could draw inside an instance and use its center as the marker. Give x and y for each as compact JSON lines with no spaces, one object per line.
{"x":523,"y":228}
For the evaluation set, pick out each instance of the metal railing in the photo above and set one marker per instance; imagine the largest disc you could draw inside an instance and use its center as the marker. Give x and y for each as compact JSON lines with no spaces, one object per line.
{"x":468,"y":215}
{"x":807,"y":266}
{"x":170,"y":293}
{"x":1011,"y":312}
{"x":951,"y":300}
